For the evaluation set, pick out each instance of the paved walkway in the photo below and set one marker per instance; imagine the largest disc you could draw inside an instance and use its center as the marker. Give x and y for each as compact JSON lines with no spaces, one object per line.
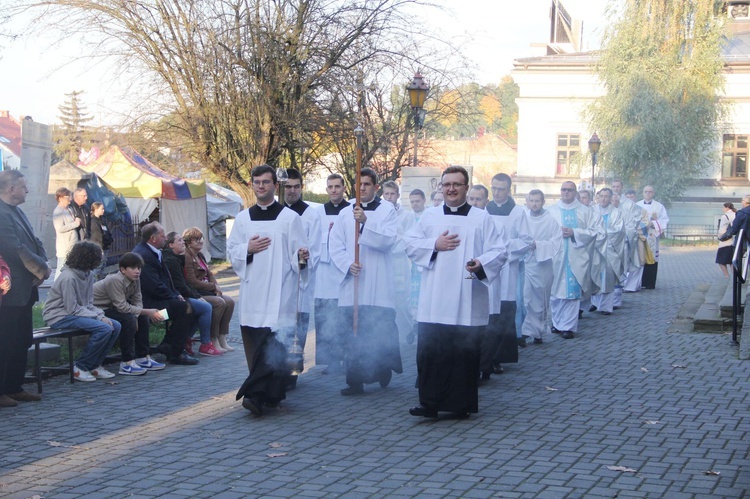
{"x":624,"y":393}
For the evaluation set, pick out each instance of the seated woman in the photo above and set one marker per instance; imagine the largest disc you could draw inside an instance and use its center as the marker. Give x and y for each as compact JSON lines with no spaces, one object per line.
{"x":70,"y":304}
{"x":174,"y":258}
{"x":199,"y":276}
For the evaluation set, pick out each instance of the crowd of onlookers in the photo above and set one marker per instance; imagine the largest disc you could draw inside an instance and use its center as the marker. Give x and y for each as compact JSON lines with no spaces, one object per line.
{"x":164,"y":278}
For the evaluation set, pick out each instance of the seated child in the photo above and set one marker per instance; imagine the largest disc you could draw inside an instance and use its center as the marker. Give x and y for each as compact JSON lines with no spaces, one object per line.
{"x":119,"y":295}
{"x":70,"y":305}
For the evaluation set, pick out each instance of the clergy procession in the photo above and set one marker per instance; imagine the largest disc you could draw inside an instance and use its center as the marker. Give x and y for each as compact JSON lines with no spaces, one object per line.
{"x":471,"y":279}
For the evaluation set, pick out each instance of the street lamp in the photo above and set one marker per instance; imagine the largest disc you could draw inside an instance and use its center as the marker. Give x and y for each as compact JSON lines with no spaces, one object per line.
{"x":594,"y":145}
{"x":418,"y":89}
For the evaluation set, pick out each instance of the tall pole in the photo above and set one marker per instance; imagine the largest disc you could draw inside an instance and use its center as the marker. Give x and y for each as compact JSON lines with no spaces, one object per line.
{"x":594,"y":144}
{"x":593,"y":174}
{"x":416,"y":134}
{"x":359,"y":133}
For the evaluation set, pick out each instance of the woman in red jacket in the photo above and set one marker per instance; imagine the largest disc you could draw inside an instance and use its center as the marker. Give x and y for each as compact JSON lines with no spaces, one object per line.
{"x":199,"y":276}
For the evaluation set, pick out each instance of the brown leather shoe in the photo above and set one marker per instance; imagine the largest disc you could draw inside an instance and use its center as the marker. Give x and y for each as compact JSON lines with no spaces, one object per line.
{"x":6,"y":401}
{"x":25,"y":397}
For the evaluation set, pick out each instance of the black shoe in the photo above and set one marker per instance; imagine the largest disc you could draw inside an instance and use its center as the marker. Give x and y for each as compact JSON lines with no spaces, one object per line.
{"x":165,"y":349}
{"x":291,"y":383}
{"x":352,"y":390}
{"x":271,"y":404}
{"x":522,"y":342}
{"x":498,"y":369}
{"x":253,"y":405}
{"x":538,"y":341}
{"x":615,"y":307}
{"x":580,"y":314}
{"x":184,"y":360}
{"x":606,"y":313}
{"x":421,"y":411}
{"x":568,"y":335}
{"x":555,"y":330}
{"x":592,"y":308}
{"x":485,"y":376}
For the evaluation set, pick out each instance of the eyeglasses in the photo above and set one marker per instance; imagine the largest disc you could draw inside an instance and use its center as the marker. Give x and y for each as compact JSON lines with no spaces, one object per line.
{"x":567,"y":189}
{"x":265,"y":183}
{"x":453,"y":185}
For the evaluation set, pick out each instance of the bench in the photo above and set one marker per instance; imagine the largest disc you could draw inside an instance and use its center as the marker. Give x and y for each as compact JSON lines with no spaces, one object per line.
{"x":41,"y":335}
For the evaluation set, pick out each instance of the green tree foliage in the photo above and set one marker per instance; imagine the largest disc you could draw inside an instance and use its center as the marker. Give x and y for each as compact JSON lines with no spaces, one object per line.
{"x":70,"y":136}
{"x":661,"y":68}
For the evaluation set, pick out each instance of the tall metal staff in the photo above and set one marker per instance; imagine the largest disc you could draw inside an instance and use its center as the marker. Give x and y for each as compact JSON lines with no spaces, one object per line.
{"x":359,"y":132}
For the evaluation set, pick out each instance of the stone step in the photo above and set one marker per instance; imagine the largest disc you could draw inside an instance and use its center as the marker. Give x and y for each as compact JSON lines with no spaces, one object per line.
{"x":725,"y":305}
{"x":708,"y":318}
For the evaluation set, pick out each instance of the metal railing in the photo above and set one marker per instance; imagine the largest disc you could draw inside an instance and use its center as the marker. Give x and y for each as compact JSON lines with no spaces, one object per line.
{"x":124,"y":238}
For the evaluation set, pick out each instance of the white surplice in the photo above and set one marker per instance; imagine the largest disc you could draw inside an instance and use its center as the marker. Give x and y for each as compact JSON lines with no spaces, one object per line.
{"x":268,"y":284}
{"x":515,"y":232}
{"x":328,"y":276}
{"x":446,"y":296}
{"x":311,"y":223}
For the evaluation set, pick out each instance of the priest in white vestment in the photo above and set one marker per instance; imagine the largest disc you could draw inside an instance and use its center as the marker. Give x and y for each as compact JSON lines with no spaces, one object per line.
{"x":613,"y":253}
{"x":407,"y":220}
{"x":373,"y":349}
{"x":500,"y":341}
{"x":329,"y":337}
{"x":265,"y":247}
{"x":460,"y":253}
{"x":656,"y":223}
{"x":547,"y":242}
{"x":575,"y":263}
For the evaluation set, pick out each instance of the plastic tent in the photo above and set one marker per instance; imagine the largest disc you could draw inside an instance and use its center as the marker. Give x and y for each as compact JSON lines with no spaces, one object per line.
{"x":223,"y":204}
{"x":182,"y":203}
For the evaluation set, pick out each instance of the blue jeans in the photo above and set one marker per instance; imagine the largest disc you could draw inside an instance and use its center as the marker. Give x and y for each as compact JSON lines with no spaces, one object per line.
{"x":201,"y":319}
{"x":102,"y":339}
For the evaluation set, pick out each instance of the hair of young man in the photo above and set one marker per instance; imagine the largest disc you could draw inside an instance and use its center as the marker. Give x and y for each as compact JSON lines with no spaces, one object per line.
{"x":262,"y":170}
{"x":369,"y":172}
{"x":61,"y":193}
{"x":131,"y":261}
{"x":390,"y":184}
{"x":171,"y":237}
{"x":535,"y":192}
{"x":482,"y":188}
{"x":84,"y":255}
{"x":418,"y":192}
{"x":80,"y":190}
{"x":584,"y":191}
{"x":335,"y":176}
{"x":96,"y":205}
{"x":9,"y":178}
{"x":191,"y":234}
{"x":148,"y":230}
{"x":293,"y":173}
{"x":607,"y":189}
{"x":457,"y":169}
{"x":630,"y":191}
{"x":503,"y":177}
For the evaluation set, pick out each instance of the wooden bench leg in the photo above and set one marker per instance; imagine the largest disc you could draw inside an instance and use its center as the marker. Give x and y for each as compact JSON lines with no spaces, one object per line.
{"x":70,"y":358}
{"x":37,"y":367}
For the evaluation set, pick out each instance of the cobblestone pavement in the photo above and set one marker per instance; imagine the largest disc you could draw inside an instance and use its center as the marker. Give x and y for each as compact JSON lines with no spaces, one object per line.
{"x":623,"y":393}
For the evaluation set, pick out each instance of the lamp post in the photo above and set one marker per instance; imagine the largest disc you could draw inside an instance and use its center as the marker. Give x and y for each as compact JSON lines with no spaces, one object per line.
{"x":594,"y":145}
{"x":418,"y":89}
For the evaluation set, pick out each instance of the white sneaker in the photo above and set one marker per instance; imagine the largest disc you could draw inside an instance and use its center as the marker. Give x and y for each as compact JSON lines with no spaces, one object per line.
{"x":149,"y":364}
{"x":101,"y":373}
{"x":131,"y":369}
{"x":82,"y":374}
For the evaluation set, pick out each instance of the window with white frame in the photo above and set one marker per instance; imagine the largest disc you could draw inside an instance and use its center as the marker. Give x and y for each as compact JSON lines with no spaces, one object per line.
{"x":568,"y":148}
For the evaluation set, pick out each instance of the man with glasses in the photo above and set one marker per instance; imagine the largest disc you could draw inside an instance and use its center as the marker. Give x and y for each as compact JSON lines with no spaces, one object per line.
{"x":27,"y":260}
{"x":573,"y":279}
{"x":501,"y":338}
{"x":373,"y":350}
{"x":268,"y":250}
{"x":460,"y":253}
{"x":311,"y":223}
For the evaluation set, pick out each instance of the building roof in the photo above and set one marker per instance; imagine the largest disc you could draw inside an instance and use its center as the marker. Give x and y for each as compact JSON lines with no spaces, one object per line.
{"x":10,"y":133}
{"x":736,"y":52}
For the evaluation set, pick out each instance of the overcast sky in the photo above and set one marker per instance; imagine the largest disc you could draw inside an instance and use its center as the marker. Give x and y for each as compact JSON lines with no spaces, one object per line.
{"x":500,"y":31}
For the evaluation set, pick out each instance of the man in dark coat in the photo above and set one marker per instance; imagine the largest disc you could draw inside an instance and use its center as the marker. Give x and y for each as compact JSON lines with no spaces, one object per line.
{"x":27,"y":260}
{"x":159,"y":292}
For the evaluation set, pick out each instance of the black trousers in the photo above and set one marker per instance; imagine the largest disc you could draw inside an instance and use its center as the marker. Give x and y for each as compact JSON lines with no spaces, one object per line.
{"x":649,"y":275}
{"x":267,"y":363}
{"x":499,"y":341}
{"x":134,"y":330}
{"x":16,"y":336}
{"x":328,"y":332}
{"x":374,"y":351}
{"x":176,"y":337}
